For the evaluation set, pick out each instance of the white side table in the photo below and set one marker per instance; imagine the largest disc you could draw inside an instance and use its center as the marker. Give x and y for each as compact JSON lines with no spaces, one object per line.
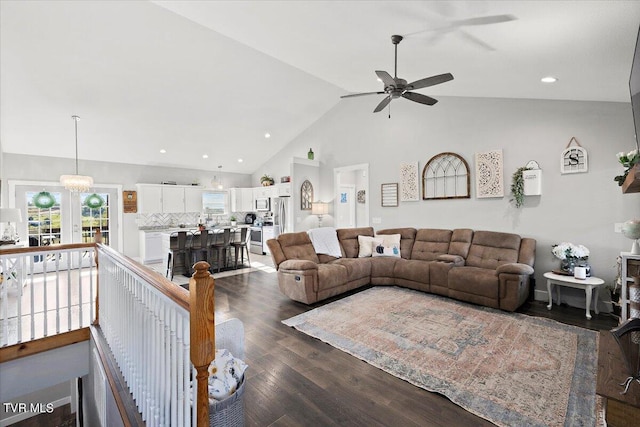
{"x":588,"y":284}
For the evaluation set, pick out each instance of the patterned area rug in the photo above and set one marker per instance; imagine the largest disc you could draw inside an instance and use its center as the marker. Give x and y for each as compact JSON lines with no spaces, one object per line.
{"x":508,"y":368}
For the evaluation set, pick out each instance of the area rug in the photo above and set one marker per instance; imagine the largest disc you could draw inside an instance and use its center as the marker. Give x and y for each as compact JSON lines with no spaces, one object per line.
{"x":508,"y":368}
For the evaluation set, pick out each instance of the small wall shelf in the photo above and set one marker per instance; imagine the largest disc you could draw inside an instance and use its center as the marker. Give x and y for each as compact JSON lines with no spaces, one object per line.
{"x":632,"y":183}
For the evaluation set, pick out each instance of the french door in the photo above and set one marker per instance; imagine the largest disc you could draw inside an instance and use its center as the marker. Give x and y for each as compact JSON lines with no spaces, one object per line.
{"x":66,"y":217}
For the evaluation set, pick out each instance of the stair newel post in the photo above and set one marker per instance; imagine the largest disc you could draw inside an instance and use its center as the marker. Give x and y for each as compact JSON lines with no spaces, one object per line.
{"x":97,"y":239}
{"x":202,"y":332}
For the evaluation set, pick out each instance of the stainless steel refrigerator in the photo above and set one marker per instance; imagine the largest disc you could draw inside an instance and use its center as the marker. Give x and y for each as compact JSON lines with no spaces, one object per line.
{"x":281,"y":207}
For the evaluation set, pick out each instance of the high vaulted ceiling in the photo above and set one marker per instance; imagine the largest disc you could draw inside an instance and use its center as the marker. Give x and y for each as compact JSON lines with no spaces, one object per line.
{"x":212,"y":77}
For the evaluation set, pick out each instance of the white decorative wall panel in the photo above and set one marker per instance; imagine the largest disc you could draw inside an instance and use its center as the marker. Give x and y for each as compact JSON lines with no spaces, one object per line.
{"x":489,"y":174}
{"x":409,"y":182}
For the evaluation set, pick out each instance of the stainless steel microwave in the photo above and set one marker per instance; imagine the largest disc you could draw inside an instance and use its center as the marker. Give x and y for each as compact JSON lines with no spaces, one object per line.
{"x":263,"y":204}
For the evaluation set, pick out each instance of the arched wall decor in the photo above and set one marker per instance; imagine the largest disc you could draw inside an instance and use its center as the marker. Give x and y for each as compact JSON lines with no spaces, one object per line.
{"x":306,"y":195}
{"x":446,"y":176}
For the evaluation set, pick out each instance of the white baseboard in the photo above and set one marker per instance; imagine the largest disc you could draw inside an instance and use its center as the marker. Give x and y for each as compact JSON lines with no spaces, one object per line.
{"x":24,"y":415}
{"x":573,"y":298}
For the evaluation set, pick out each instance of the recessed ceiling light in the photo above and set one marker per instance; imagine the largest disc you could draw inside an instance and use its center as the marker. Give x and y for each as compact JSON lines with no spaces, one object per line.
{"x":548,"y":79}
{"x":240,"y":160}
{"x":163,"y":151}
{"x":205,"y":156}
{"x":267,"y":135}
{"x":379,"y":79}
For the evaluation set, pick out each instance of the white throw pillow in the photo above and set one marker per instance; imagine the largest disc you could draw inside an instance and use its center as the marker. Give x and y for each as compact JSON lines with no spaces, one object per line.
{"x":390,"y":245}
{"x":367,"y":243}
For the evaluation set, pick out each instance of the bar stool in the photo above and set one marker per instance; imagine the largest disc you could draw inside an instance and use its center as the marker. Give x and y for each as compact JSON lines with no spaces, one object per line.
{"x":241,"y":246}
{"x":179,"y":243}
{"x":221,"y":246}
{"x":200,"y":247}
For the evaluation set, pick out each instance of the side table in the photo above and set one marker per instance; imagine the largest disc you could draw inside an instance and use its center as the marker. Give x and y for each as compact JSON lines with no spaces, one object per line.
{"x":621,"y":409}
{"x":588,"y":284}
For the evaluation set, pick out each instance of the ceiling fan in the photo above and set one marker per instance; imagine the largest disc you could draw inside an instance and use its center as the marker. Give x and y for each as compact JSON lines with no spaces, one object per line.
{"x":456,"y":26}
{"x":395,"y":87}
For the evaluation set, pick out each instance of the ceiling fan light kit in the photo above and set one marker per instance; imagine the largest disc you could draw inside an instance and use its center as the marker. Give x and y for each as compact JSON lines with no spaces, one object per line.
{"x":395,"y":87}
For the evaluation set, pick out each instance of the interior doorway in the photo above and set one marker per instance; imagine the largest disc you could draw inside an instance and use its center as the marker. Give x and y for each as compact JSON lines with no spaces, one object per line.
{"x":351,"y":196}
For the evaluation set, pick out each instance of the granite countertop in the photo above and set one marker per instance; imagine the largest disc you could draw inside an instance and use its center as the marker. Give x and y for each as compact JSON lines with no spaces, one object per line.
{"x":192,"y":229}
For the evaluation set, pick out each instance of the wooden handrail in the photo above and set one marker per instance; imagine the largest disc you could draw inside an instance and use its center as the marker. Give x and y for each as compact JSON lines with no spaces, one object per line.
{"x":157,"y":280}
{"x":202,"y":331}
{"x":49,"y":248}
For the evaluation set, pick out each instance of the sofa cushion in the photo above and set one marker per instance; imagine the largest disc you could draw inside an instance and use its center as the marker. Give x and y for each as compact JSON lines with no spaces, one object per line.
{"x":382,"y":268}
{"x":430,"y":243}
{"x":331,"y":275}
{"x":413,"y":270}
{"x":407,"y":237}
{"x":461,"y":242}
{"x":475,"y":280}
{"x":357,"y":268}
{"x":366,"y":245}
{"x":489,"y":249}
{"x":297,"y":246}
{"x":348,"y":238}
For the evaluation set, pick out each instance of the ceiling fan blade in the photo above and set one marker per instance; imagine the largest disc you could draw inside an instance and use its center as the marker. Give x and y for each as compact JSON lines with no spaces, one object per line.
{"x":418,"y":97}
{"x":361,"y":94}
{"x":386,"y":78}
{"x":382,"y":104}
{"x":430,"y":81}
{"x":475,"y":40}
{"x":484,"y":20}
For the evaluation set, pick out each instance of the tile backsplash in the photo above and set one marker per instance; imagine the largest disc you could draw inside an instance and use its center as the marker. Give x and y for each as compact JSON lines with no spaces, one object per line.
{"x":167,"y":219}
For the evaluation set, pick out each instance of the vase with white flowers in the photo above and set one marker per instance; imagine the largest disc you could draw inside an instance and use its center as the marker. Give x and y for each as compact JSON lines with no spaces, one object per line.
{"x":628,"y":160}
{"x":571,"y":256}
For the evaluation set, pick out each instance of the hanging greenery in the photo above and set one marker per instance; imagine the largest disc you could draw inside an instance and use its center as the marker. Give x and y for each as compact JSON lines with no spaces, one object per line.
{"x":94,"y":201}
{"x":517,"y":186}
{"x":43,"y":200}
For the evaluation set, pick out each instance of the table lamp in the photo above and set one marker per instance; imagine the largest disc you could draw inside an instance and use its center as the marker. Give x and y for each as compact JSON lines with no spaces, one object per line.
{"x":319,"y":208}
{"x":10,"y":216}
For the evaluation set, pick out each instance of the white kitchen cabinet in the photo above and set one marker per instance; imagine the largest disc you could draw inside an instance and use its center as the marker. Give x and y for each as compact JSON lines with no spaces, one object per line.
{"x":172,"y":199}
{"x":193,"y":199}
{"x":264,"y":192}
{"x":149,"y":198}
{"x":242,"y":200}
{"x":151,"y":247}
{"x":157,"y":198}
{"x":283,"y":190}
{"x":268,"y":232}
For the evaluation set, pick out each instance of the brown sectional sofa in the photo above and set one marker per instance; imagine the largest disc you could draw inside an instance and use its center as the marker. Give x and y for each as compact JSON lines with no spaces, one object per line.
{"x":482,"y":267}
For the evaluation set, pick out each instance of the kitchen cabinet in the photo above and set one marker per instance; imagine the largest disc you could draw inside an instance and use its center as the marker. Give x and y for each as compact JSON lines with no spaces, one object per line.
{"x":151,"y":247}
{"x":268,"y":232}
{"x":283,"y":190}
{"x":242,"y":200}
{"x":172,"y":199}
{"x":193,"y":199}
{"x":264,"y":192}
{"x":149,"y":198}
{"x":156,"y":198}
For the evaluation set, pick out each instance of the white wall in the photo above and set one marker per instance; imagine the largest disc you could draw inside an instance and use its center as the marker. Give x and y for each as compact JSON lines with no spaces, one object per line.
{"x":39,"y":168}
{"x":579,"y":208}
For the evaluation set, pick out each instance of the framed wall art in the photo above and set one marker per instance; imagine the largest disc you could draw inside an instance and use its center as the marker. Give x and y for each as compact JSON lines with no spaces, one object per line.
{"x":409,"y":182}
{"x":389,"y":194}
{"x":574,"y":158}
{"x":446,"y":176}
{"x":306,"y":195}
{"x":489,"y":174}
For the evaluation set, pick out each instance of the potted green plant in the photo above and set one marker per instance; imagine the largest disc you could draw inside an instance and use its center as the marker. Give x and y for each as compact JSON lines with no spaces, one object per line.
{"x":517,"y":187}
{"x":266,"y":180}
{"x":233,"y":221}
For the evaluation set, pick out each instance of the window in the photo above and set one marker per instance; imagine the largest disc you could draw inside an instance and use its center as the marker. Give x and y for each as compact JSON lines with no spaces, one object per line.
{"x":215,"y":202}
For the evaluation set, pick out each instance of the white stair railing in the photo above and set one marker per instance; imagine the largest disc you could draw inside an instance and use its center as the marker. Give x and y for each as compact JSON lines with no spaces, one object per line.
{"x":148,"y":332}
{"x":46,"y":291}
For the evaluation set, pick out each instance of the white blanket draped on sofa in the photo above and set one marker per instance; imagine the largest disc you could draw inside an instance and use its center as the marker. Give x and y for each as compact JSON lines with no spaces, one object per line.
{"x":325,"y":241}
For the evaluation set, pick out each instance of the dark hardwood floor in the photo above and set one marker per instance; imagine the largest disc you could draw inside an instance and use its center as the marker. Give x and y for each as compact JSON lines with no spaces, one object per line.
{"x":295,"y":380}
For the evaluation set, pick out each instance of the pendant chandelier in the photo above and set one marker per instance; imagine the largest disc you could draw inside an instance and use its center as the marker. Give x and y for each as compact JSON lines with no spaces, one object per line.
{"x":76,"y":183}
